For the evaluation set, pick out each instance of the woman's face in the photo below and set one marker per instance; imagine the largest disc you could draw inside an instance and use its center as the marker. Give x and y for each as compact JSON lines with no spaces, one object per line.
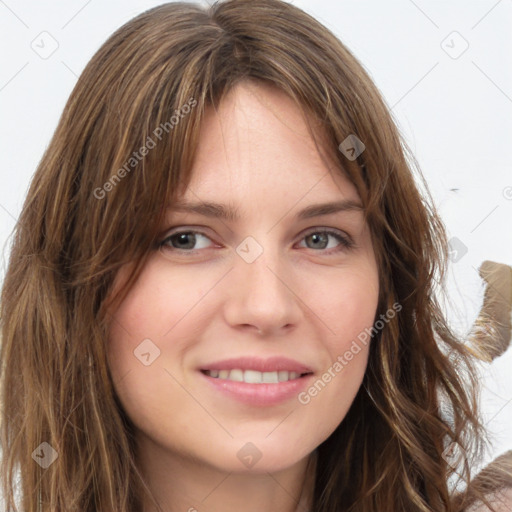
{"x":277,"y":291}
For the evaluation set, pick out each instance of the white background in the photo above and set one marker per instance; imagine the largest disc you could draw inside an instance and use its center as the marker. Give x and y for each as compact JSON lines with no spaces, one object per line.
{"x":455,"y":113}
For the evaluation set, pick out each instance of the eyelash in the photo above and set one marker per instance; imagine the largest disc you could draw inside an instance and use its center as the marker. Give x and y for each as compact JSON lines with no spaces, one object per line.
{"x":345,"y":242}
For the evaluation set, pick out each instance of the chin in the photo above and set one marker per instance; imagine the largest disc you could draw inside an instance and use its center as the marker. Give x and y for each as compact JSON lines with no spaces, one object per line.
{"x":260,"y":456}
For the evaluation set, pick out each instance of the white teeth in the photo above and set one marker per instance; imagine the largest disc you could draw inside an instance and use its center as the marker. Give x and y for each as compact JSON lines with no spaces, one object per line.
{"x":270,"y":378}
{"x":283,"y":375}
{"x":253,"y":376}
{"x":237,"y":375}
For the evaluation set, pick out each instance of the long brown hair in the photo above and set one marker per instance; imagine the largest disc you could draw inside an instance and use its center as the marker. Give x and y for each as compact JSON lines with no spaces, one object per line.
{"x":84,"y":217}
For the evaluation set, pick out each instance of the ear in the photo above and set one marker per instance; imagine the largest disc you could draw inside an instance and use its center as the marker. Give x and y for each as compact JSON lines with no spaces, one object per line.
{"x":491,"y":332}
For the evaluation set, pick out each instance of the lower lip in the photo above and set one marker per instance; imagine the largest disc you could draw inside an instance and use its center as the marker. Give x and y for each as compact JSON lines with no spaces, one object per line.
{"x":259,"y":394}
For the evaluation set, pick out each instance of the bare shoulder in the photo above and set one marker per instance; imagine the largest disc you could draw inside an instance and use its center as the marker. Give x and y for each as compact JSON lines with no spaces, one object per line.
{"x":501,"y":501}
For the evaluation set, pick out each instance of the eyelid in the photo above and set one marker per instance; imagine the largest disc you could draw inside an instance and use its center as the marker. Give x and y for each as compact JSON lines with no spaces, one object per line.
{"x":324,"y":229}
{"x":196,"y":230}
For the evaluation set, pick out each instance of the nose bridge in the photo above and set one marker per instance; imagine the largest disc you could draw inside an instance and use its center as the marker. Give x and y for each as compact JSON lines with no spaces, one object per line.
{"x":258,"y":278}
{"x":260,"y":294}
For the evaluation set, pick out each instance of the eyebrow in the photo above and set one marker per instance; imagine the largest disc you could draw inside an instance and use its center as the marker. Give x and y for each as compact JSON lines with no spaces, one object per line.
{"x":228,"y":213}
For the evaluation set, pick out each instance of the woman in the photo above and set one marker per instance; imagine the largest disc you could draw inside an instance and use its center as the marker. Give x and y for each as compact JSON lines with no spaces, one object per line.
{"x":221,"y":290}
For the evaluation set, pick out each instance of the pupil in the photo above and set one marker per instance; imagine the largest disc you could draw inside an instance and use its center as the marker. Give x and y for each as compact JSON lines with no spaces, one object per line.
{"x":319,"y":238}
{"x":182,"y":240}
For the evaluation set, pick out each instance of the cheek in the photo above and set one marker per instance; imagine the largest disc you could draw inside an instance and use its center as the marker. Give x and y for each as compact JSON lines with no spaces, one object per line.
{"x":158,"y":322}
{"x":347,"y":303}
{"x":351,"y":318}
{"x":156,"y":305}
{"x":141,"y":317}
{"x":137,"y":355}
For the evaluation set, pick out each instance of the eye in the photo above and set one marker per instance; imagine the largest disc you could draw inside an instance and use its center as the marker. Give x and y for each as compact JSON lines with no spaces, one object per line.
{"x":319,"y":240}
{"x":185,"y":241}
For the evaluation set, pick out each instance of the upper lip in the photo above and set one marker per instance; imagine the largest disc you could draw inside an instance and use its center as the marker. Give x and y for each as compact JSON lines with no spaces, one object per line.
{"x":271,"y":364}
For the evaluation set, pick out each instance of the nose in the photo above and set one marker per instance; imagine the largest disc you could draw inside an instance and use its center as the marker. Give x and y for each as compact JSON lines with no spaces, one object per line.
{"x":261,"y":297}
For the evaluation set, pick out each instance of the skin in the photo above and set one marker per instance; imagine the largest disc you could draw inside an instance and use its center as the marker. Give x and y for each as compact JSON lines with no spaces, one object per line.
{"x":301,"y":298}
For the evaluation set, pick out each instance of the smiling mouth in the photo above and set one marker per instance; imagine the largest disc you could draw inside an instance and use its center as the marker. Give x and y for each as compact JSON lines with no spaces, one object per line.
{"x":255,"y":377}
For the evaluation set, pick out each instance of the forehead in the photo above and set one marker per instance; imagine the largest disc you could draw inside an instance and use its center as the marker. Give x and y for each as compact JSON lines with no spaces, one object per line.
{"x":258,"y":143}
